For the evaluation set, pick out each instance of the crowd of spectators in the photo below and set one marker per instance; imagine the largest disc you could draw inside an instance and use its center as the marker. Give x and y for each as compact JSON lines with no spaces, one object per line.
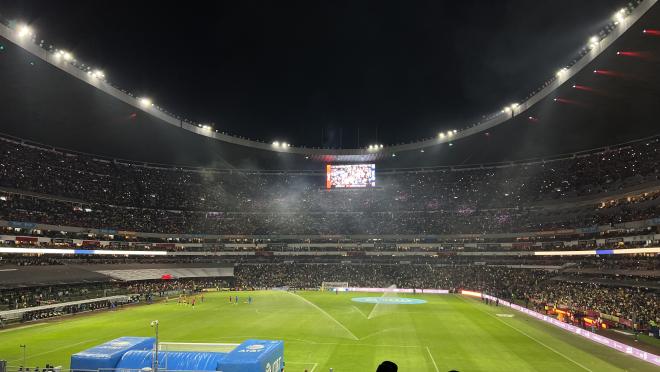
{"x":269,"y":222}
{"x":79,"y":190}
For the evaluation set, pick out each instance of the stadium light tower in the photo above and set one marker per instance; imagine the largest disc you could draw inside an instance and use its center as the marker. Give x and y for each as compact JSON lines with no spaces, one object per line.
{"x":154,"y":324}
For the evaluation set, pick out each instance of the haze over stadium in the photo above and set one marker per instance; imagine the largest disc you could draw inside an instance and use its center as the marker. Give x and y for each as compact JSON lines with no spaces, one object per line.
{"x":330,"y":186}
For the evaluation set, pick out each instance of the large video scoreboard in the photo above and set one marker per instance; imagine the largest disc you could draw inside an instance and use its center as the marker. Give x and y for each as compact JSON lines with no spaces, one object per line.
{"x":350,"y":176}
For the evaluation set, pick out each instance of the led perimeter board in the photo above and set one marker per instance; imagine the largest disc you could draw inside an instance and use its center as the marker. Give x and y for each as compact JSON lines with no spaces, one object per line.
{"x":350,"y":176}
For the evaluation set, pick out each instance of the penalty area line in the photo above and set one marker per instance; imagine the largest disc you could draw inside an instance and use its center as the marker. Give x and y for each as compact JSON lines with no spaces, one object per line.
{"x":534,"y":339}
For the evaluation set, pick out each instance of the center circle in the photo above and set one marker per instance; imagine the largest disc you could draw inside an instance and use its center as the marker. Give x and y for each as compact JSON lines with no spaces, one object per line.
{"x":388,"y":300}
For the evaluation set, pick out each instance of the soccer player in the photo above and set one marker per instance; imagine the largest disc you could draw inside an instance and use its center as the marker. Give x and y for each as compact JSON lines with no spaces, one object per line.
{"x":229,"y":298}
{"x":236,"y":300}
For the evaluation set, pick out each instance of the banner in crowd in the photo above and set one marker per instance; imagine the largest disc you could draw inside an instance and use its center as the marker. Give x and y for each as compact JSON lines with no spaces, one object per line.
{"x":22,"y":225}
{"x":616,"y":319}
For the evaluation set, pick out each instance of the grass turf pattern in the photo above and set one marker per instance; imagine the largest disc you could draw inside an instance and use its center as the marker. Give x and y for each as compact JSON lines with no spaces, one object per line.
{"x":323,"y":330}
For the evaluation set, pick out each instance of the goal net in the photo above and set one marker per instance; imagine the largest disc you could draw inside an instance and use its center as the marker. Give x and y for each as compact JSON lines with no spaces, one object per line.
{"x":330,"y":286}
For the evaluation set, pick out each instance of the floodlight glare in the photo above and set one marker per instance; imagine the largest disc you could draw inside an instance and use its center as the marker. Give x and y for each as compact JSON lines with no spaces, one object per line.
{"x":594,"y":40}
{"x":66,"y":55}
{"x":441,"y":135}
{"x":276,"y":144}
{"x":145,"y":102}
{"x":620,"y":15}
{"x":23,"y":31}
{"x":98,"y":74}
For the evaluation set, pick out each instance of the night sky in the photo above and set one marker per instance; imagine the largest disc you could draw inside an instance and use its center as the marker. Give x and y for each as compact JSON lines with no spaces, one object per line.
{"x":318,"y":73}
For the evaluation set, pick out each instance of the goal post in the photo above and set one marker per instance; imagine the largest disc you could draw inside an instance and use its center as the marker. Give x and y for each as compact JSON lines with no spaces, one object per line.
{"x":330,"y":286}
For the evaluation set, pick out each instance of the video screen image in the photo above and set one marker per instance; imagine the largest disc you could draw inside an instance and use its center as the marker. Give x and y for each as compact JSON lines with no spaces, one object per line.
{"x":350,"y":176}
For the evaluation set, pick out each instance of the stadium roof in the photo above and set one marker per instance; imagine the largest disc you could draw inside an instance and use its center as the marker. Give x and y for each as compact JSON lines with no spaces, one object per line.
{"x":604,"y":91}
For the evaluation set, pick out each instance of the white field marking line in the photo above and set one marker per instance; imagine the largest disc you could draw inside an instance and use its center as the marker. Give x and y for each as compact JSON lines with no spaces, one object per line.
{"x":534,"y":339}
{"x":53,"y":350}
{"x":359,"y":311}
{"x":314,"y":367}
{"x":23,"y":327}
{"x":432,"y":360}
{"x":324,"y":313}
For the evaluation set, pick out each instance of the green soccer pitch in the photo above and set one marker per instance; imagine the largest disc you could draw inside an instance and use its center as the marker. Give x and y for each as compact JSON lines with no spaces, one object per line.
{"x":322,"y":330}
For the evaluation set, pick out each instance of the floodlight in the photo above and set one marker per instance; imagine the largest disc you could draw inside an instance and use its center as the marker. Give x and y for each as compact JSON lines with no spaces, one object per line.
{"x":620,"y":15}
{"x":23,"y":31}
{"x":97,"y":74}
{"x":145,"y":102}
{"x":66,"y":55}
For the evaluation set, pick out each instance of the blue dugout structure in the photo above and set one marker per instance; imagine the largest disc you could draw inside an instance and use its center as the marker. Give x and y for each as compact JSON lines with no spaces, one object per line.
{"x":135,"y":353}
